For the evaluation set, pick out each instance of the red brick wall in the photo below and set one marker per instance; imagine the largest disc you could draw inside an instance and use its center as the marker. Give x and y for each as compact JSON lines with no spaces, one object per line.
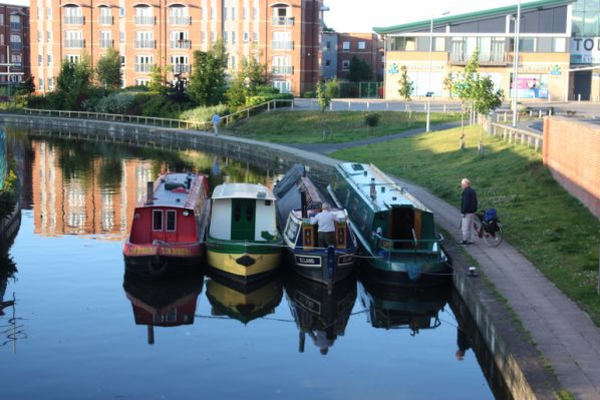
{"x":572,"y":153}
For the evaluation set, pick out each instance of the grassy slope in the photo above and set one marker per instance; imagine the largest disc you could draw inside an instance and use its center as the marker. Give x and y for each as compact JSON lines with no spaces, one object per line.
{"x":551,"y":228}
{"x":339,"y":126}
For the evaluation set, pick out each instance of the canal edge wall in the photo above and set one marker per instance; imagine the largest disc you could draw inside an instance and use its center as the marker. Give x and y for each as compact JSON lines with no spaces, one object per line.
{"x":515,"y":358}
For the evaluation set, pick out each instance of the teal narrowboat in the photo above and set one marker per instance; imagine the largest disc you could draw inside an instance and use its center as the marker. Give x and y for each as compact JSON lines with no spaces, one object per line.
{"x":395,"y":229}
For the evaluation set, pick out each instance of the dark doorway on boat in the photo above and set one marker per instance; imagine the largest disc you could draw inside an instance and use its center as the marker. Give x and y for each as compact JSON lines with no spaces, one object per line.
{"x":243,"y":222}
{"x":402,"y":227}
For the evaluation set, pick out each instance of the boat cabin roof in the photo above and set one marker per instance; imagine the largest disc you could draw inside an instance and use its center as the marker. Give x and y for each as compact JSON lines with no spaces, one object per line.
{"x":242,"y":191}
{"x":337,"y":212}
{"x":388,"y":192}
{"x":172,"y":190}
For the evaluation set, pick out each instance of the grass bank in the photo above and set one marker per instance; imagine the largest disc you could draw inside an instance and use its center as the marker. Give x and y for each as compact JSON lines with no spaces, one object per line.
{"x":550,"y":227}
{"x":306,"y":127}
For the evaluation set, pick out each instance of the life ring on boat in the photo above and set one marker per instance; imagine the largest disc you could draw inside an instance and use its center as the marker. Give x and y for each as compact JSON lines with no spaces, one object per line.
{"x":157,"y":267}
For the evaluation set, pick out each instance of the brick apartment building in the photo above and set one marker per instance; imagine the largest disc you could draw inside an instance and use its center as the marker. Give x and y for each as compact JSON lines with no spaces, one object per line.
{"x":14,"y":43}
{"x":284,"y":35}
{"x":365,"y":46}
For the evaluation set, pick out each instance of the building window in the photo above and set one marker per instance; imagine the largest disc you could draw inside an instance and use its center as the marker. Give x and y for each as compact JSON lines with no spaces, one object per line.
{"x":2,"y":39}
{"x":245,"y":13}
{"x":105,"y":16}
{"x":121,"y":37}
{"x":49,"y":36}
{"x":362,"y":45}
{"x":246,"y":37}
{"x":49,"y":61}
{"x":346,"y":65}
{"x":327,"y":63}
{"x":346,"y":46}
{"x":50,"y":83}
{"x":328,"y":45}
{"x":144,"y":15}
{"x":283,"y":86}
{"x":121,"y":12}
{"x":560,"y":45}
{"x":256,"y":13}
{"x":41,"y":83}
{"x":212,"y":13}
{"x":224,"y":13}
{"x":213,"y":37}
{"x":72,"y":58}
{"x":40,"y":60}
{"x":203,"y":37}
{"x":15,"y":21}
{"x":225,"y":36}
{"x":255,"y":37}
{"x":49,"y":12}
{"x":232,"y":62}
{"x":179,"y":15}
{"x":73,"y":15}
{"x":122,"y":61}
{"x":233,"y":37}
{"x":141,"y":82}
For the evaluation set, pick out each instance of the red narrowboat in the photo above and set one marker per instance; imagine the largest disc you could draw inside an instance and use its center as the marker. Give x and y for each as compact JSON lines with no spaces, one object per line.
{"x":168,"y":229}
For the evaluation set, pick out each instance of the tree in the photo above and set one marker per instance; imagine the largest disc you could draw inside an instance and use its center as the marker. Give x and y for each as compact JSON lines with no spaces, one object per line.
{"x":26,"y":87}
{"x":207,"y":82}
{"x":246,"y":82}
{"x":406,"y":84}
{"x":326,"y":91}
{"x":108,"y":69}
{"x":448,"y":83}
{"x":157,"y":80}
{"x":73,"y":83}
{"x":360,"y":70}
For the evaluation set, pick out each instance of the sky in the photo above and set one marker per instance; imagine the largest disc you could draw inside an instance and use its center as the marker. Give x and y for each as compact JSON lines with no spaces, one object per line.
{"x":363,"y":15}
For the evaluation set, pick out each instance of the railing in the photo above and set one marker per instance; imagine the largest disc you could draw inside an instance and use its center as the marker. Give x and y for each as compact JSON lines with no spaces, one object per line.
{"x":180,"y":68}
{"x":106,"y":20}
{"x":16,"y":45}
{"x":74,"y":19}
{"x":161,"y":122}
{"x":287,"y":21}
{"x":283,"y":69}
{"x":145,"y":44}
{"x":515,"y":135}
{"x":285,"y":45}
{"x":489,"y":59}
{"x":143,"y":67}
{"x":180,"y":20}
{"x":181,"y":44}
{"x":75,"y":43}
{"x":106,"y":43}
{"x":145,"y":20}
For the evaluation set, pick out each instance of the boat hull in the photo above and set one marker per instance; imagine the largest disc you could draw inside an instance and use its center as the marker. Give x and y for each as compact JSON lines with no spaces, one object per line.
{"x":313,"y":265}
{"x":409,"y":271}
{"x":156,"y":267}
{"x":243,"y":262}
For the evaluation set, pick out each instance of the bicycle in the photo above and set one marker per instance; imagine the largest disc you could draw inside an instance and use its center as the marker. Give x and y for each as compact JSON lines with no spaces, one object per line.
{"x":488,"y":227}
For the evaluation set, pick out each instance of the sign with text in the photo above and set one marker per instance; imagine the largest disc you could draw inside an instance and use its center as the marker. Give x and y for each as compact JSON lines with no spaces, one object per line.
{"x":585,"y":50}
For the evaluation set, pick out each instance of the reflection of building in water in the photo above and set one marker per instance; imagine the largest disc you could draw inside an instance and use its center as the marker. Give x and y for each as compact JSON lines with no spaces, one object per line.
{"x":80,"y":204}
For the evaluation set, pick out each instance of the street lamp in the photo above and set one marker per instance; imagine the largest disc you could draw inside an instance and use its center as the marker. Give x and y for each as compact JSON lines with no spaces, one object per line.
{"x":429,"y":91}
{"x":516,"y":65}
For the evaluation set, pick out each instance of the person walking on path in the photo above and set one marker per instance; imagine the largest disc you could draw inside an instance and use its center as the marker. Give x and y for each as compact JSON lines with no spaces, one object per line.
{"x":326,"y":221}
{"x":468,"y":208}
{"x":216,"y":119}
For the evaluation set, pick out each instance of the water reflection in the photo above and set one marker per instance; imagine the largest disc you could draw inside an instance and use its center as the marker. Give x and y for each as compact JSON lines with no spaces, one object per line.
{"x":404,"y":308}
{"x":165,"y":303}
{"x":243,"y":302}
{"x":319,"y":313}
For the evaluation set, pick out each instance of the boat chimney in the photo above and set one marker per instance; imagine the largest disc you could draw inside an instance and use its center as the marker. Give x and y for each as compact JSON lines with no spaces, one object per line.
{"x":365,"y":173}
{"x":150,"y":334}
{"x":150,"y":193}
{"x":303,"y":204}
{"x":373,"y":190}
{"x":188,"y":182}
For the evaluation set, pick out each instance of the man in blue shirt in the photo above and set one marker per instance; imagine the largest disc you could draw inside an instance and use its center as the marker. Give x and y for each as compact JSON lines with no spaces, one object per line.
{"x":216,"y":119}
{"x":468,"y":208}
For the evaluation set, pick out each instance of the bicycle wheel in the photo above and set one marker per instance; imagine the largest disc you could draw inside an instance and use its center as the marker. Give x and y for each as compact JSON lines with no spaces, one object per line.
{"x":493,"y":239}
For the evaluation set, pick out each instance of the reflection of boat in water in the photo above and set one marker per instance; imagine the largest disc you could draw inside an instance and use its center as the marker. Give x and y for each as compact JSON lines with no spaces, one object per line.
{"x":298,"y":202}
{"x":243,"y":302}
{"x":413,"y":308}
{"x":165,"y":303}
{"x":168,"y":230}
{"x":320,"y":313}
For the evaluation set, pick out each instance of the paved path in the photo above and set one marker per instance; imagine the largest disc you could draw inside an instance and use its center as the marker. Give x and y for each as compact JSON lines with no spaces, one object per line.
{"x":328,"y":148}
{"x":564,"y":334}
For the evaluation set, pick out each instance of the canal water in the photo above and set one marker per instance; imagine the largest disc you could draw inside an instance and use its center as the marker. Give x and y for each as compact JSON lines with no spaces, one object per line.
{"x":80,"y":329}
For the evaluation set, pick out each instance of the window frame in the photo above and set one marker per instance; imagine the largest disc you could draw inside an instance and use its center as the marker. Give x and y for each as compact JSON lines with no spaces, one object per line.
{"x":174,"y":214}
{"x":154,"y":213}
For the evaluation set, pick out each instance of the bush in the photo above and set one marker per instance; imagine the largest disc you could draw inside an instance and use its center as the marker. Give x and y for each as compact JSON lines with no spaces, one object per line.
{"x":255,"y":100}
{"x":372,"y":120}
{"x":265,"y":90}
{"x":116,"y":103}
{"x":137,"y":88}
{"x":309,"y":94}
{"x":8,"y":195}
{"x":203,"y":113}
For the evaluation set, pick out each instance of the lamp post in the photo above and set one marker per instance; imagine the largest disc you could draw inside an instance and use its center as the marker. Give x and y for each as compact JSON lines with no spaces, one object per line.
{"x":429,"y":93}
{"x":515,"y":94}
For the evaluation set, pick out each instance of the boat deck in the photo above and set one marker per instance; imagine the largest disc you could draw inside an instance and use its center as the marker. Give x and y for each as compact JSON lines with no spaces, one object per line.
{"x":172,"y":190}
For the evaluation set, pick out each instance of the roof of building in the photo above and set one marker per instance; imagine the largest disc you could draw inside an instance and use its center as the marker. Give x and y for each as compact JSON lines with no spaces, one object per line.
{"x":242,"y":191}
{"x":425,"y":24}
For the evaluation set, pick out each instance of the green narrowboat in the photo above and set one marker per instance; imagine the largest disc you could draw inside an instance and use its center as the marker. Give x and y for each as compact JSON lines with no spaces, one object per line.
{"x":395,"y":229}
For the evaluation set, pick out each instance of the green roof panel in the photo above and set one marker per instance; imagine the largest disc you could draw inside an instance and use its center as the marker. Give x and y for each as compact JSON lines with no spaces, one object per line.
{"x":412,"y":26}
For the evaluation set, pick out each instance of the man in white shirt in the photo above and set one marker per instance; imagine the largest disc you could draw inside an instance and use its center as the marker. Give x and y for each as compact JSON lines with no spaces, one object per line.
{"x":326,"y":221}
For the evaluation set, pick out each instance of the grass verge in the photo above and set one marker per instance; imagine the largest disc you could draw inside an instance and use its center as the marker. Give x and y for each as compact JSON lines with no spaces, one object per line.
{"x":298,"y":127}
{"x":550,"y":227}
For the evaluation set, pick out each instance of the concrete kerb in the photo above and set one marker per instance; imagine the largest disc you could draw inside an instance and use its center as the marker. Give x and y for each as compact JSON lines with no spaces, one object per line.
{"x":514,"y":357}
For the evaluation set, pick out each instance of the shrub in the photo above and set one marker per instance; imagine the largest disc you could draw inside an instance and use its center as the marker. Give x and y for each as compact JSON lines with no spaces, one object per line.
{"x":116,"y":103}
{"x":203,"y":113}
{"x":264,"y":90}
{"x":372,"y":120}
{"x":309,"y":94}
{"x":255,"y":100}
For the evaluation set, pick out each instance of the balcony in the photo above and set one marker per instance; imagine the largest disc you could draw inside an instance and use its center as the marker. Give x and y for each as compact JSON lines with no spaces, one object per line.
{"x":283,"y":69}
{"x":286,"y":45}
{"x":492,"y":59}
{"x":106,"y":43}
{"x":181,"y":44}
{"x":75,"y":43}
{"x":180,"y":68}
{"x":74,"y":20}
{"x":145,"y":20}
{"x":144,"y":68}
{"x":15,"y":26}
{"x":285,"y":21}
{"x":16,"y":45}
{"x":180,"y":20}
{"x":145,"y":44}
{"x":106,"y":20}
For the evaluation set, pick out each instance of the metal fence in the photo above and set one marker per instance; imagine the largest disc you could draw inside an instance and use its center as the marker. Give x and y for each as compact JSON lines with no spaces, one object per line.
{"x":515,"y":135}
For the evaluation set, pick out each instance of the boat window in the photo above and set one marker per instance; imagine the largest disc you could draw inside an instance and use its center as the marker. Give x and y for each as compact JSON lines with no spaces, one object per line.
{"x":157,"y":221}
{"x":292,"y":230}
{"x":171,"y":220}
